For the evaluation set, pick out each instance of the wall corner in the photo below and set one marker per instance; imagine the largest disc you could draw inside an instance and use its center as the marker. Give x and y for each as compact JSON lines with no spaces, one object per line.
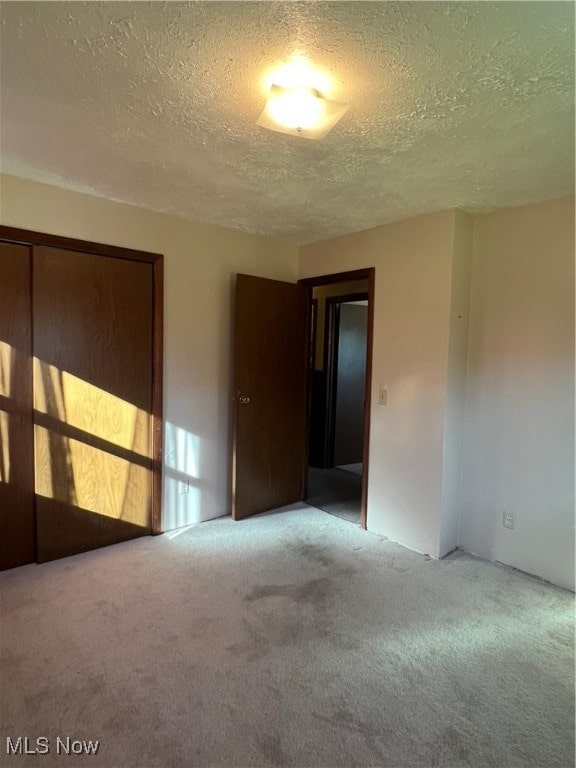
{"x":451,"y":506}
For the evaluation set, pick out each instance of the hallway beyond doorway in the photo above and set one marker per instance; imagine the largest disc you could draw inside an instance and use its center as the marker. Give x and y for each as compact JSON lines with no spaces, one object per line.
{"x":337,"y":491}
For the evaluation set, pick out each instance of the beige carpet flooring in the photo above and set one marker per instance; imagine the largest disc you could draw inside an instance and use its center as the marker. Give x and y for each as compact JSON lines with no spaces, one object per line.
{"x":291,"y":639}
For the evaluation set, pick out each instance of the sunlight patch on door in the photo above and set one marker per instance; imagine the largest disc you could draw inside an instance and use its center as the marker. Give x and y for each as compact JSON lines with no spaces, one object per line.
{"x":4,"y":448}
{"x":91,"y":479}
{"x":6,"y":353}
{"x":78,"y":471}
{"x":7,"y":366}
{"x":84,"y":406}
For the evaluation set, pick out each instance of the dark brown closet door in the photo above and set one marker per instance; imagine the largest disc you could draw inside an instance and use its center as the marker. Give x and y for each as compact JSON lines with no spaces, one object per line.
{"x":17,"y":535}
{"x":92,"y":341}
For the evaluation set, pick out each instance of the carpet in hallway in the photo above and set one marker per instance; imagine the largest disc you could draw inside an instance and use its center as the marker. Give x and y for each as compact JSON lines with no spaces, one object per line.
{"x":357,"y":469}
{"x":335,"y":491}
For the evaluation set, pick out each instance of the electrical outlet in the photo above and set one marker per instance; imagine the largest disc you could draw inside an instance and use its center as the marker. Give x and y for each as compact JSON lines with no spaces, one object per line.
{"x":507,"y":519}
{"x":184,"y":486}
{"x":382,"y":396}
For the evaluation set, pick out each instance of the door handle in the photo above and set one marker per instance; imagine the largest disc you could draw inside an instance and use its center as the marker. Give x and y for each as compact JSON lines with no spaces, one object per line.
{"x":243,"y":399}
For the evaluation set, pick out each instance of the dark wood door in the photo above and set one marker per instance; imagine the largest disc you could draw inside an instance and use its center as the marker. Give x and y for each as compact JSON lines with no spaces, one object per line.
{"x":17,"y":538}
{"x":93,"y":326}
{"x":270,"y":402}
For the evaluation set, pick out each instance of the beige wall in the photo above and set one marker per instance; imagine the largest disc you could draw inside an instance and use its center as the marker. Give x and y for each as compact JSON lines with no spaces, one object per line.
{"x":200,"y":264}
{"x":519,"y":433}
{"x":456,"y":443}
{"x":456,"y":382}
{"x":413,"y":290}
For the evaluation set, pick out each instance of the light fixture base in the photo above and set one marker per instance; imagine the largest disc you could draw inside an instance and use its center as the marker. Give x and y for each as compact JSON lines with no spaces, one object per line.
{"x":300,"y":112}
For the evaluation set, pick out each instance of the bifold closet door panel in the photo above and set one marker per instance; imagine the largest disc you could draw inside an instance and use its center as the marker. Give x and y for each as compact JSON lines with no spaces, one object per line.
{"x":17,"y":530}
{"x":93,"y":325}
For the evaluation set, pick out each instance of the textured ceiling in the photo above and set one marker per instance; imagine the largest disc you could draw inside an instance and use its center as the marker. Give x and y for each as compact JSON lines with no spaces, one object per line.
{"x":458,"y":104}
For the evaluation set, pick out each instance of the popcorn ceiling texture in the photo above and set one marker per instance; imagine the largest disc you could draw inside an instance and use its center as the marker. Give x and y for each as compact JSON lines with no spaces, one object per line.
{"x":467,"y":105}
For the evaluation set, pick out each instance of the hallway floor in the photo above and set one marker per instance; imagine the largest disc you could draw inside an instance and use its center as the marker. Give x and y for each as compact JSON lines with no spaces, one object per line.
{"x":336,"y":491}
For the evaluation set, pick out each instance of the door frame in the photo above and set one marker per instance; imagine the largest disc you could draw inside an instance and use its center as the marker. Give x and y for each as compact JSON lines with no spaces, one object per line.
{"x":368,"y":274}
{"x":30,"y":238}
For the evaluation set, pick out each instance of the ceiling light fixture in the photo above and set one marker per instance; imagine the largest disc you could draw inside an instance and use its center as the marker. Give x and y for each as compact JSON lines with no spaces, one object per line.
{"x":300,"y":111}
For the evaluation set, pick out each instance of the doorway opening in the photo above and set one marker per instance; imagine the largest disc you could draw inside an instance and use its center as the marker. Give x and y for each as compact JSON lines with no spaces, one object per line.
{"x":339,"y":401}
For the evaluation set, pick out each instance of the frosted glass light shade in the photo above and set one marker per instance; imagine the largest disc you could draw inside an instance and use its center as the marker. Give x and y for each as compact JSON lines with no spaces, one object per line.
{"x":300,"y":112}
